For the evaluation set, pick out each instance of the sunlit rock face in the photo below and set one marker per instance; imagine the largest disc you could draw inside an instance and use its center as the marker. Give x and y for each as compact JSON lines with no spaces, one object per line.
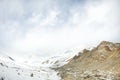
{"x":100,"y":63}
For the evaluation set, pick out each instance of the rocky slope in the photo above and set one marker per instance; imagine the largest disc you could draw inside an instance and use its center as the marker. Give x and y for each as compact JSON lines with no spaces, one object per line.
{"x":100,"y":63}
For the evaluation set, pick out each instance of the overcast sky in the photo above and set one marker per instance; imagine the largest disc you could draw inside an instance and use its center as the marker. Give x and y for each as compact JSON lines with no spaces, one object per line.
{"x":46,"y":27}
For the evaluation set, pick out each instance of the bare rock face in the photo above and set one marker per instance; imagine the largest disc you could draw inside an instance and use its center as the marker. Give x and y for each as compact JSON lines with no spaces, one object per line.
{"x":100,"y":63}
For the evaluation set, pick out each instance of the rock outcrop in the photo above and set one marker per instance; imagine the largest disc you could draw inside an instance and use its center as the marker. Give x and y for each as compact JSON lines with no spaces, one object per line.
{"x":100,"y":63}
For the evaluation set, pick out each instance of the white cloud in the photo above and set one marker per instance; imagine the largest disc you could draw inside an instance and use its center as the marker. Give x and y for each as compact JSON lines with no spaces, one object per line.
{"x":86,"y":25}
{"x":50,"y":19}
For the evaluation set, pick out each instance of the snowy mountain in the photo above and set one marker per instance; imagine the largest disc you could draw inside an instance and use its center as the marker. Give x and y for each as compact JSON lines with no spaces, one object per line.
{"x":39,"y":69}
{"x":10,"y":70}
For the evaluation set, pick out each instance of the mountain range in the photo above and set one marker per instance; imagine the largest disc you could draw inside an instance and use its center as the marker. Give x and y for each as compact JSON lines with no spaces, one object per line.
{"x":99,"y":63}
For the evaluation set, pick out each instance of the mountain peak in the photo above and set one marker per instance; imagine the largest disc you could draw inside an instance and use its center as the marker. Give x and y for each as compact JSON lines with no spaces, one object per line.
{"x":108,"y":45}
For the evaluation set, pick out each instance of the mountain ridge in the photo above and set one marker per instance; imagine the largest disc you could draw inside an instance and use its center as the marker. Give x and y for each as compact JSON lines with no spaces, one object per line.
{"x":100,"y":63}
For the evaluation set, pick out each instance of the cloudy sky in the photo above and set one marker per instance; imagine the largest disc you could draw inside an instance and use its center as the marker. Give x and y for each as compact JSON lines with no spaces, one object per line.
{"x":46,"y":27}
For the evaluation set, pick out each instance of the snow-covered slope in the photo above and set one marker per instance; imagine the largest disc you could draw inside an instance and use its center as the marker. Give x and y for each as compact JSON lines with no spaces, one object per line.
{"x":37,"y":69}
{"x":11,"y":70}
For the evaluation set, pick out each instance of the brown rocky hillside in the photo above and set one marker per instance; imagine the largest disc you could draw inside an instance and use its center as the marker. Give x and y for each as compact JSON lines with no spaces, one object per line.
{"x":100,"y":63}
